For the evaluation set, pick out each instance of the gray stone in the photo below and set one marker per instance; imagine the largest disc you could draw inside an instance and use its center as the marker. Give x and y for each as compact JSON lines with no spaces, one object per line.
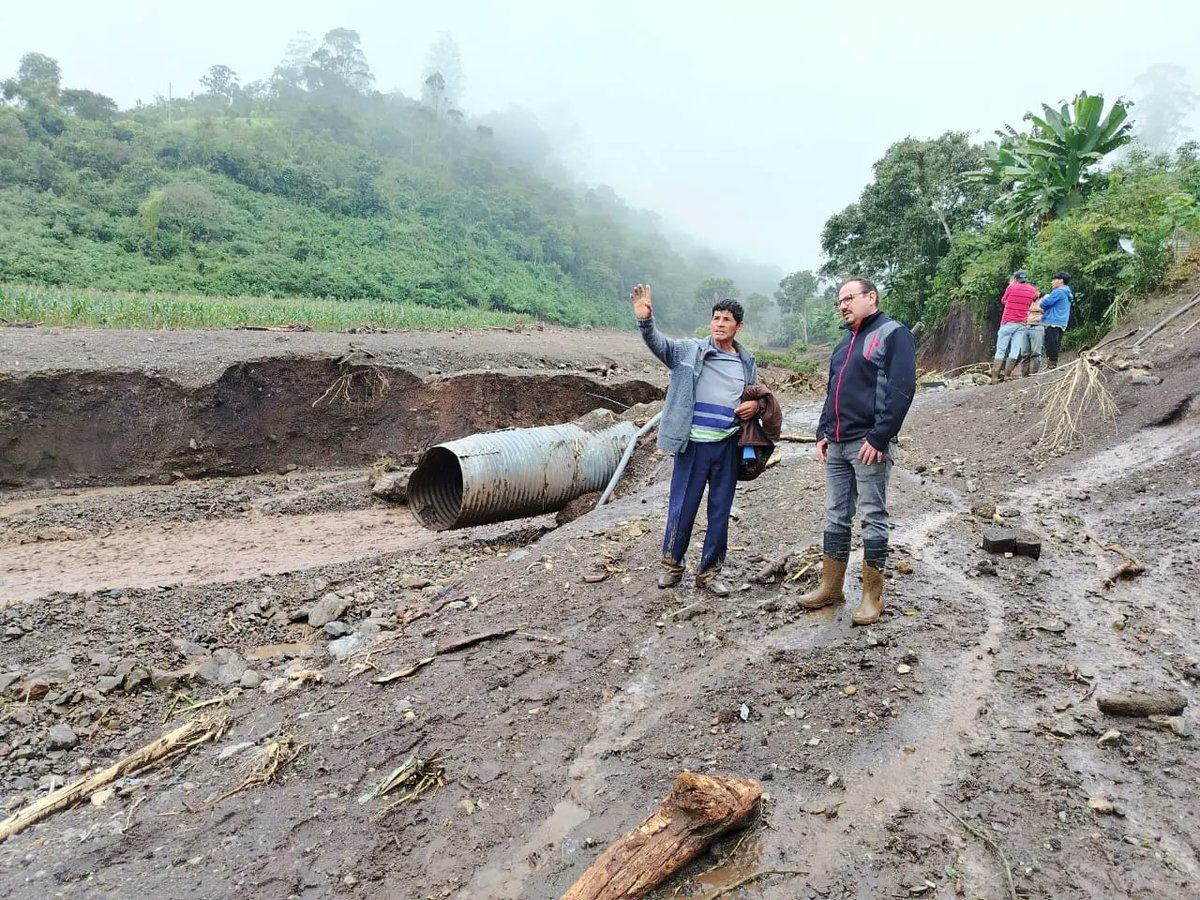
{"x":56,"y":671}
{"x":343,"y":647}
{"x":250,"y":679}
{"x":1017,"y":541}
{"x":689,"y":612}
{"x":61,"y":737}
{"x":413,"y":582}
{"x":1177,"y":725}
{"x":328,"y":609}
{"x":230,"y":666}
{"x":274,"y":685}
{"x":106,"y":684}
{"x":24,"y":783}
{"x":164,"y":680}
{"x":234,"y":750}
{"x":7,"y":680}
{"x":1145,"y":378}
{"x":336,"y":629}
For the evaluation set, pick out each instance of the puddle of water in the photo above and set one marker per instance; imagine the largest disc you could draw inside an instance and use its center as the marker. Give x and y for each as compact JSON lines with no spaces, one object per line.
{"x":280,"y":651}
{"x":505,"y":880}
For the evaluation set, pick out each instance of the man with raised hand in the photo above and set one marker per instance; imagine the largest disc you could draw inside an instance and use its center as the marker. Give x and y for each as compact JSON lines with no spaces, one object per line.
{"x":872,"y":379}
{"x":700,"y":428}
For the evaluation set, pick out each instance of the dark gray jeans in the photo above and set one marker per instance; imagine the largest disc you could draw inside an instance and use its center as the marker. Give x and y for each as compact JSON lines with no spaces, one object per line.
{"x":851,"y":484}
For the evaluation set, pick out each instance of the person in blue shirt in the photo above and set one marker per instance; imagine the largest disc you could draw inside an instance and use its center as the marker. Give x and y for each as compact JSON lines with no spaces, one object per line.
{"x":1056,"y":312}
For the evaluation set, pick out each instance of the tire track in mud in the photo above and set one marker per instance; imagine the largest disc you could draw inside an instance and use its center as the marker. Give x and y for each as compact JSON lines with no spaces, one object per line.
{"x":937,"y":730}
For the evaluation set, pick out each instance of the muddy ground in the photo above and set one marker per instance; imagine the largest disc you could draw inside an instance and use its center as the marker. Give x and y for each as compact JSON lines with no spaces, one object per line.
{"x":126,"y":605}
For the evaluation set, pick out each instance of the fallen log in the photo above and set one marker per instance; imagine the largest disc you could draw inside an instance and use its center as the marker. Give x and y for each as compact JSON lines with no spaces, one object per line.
{"x":1139,"y":704}
{"x":699,"y":808}
{"x":177,"y":742}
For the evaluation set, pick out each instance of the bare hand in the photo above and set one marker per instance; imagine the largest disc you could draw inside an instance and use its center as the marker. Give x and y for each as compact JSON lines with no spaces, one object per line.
{"x":747,"y":409}
{"x":869,"y":455}
{"x":642,"y":307}
{"x":821,"y":445}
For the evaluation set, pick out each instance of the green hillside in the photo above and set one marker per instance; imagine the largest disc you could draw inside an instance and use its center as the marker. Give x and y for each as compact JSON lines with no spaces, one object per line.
{"x":312,"y":184}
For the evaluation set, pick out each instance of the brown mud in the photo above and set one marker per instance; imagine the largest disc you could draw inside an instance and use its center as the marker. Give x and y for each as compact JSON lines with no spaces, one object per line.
{"x":976,"y":692}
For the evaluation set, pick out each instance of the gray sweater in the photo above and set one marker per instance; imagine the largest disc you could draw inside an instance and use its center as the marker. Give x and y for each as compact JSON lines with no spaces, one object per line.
{"x":685,"y":358}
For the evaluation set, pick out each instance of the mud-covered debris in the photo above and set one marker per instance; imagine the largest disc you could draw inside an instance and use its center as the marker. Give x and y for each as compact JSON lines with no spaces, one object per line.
{"x":392,"y":486}
{"x":903,"y":567}
{"x":689,"y":612}
{"x":1109,"y":738}
{"x":1141,"y":704}
{"x":449,"y":645}
{"x":1103,"y":806}
{"x":1018,"y":541}
{"x":1177,"y":725}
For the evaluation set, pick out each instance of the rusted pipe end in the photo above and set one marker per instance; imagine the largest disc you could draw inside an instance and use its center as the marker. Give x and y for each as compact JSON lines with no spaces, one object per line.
{"x":435,"y":489}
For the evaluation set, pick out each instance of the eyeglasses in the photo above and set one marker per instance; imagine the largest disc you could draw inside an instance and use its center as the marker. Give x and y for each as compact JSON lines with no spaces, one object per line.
{"x":842,"y":301}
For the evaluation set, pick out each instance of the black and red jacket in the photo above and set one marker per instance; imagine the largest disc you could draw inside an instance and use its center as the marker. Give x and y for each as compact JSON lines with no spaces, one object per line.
{"x":872,"y":379}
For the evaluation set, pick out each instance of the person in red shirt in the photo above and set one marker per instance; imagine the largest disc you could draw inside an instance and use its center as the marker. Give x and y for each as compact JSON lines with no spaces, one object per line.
{"x":1010,"y":340}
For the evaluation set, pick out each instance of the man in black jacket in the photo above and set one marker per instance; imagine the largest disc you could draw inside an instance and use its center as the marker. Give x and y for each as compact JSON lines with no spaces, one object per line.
{"x":872,"y":378}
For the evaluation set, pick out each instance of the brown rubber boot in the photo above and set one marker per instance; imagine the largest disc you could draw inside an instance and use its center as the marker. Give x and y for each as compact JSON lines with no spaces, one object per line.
{"x":833,"y":576}
{"x":709,"y":581}
{"x":1035,"y":365}
{"x":870,"y":609}
{"x":673,"y":574}
{"x":997,"y":370}
{"x":1010,"y":366}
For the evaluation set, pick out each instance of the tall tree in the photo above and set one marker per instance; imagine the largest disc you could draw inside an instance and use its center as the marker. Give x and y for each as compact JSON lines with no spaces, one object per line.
{"x":38,"y":78}
{"x":796,"y":292}
{"x":1047,"y":171}
{"x":222,"y":81}
{"x":445,"y":61}
{"x":340,"y":62}
{"x":906,"y":218}
{"x":1165,"y":99}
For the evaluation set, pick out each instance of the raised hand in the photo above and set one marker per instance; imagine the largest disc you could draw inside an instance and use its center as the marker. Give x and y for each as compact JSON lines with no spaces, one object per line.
{"x":642,"y":307}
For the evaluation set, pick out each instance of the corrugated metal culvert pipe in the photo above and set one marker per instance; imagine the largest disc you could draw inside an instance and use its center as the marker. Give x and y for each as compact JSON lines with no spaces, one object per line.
{"x":500,"y":475}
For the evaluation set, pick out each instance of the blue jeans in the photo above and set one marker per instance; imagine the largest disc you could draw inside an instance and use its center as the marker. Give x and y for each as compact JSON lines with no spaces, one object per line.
{"x":715,"y":464}
{"x":1010,"y":339}
{"x":1035,"y":336}
{"x":852,"y":485}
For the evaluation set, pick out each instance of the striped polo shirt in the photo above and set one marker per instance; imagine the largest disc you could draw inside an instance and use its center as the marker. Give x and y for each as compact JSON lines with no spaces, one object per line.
{"x":718,"y":392}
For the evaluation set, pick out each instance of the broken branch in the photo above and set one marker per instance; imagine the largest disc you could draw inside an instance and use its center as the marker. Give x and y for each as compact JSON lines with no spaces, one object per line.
{"x":991,"y":845}
{"x":404,"y":673}
{"x":177,"y":742}
{"x":750,"y":879}
{"x":449,"y":645}
{"x":698,"y":809}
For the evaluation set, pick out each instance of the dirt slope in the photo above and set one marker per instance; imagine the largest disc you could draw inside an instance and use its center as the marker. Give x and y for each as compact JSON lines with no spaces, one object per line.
{"x":978,"y":691}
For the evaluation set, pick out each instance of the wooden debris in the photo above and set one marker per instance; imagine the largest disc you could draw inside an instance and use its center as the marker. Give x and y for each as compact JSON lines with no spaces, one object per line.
{"x":1141,"y":705}
{"x":991,"y":845}
{"x":404,"y":673}
{"x":544,"y":638}
{"x":306,"y":676}
{"x":1168,"y":320}
{"x":449,"y":645}
{"x":698,"y":809}
{"x":418,"y":776}
{"x":776,"y":566}
{"x":175,"y":743}
{"x":798,"y":438}
{"x":270,"y":759}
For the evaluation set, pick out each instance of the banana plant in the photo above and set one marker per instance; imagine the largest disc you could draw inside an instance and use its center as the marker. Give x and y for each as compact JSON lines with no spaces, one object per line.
{"x":1048,"y":170}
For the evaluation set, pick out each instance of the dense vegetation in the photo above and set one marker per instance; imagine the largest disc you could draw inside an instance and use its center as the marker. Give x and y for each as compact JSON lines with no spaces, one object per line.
{"x":946,"y":221}
{"x":313,"y":184}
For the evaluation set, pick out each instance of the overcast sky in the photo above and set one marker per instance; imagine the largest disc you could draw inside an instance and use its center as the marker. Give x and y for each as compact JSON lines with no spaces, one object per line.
{"x":747,"y":125}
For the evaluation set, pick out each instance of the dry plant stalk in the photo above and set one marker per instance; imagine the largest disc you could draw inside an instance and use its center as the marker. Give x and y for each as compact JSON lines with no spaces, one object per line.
{"x":1072,"y":395}
{"x":417,"y":776}
{"x":363,"y":386}
{"x":265,"y":765}
{"x":173,"y":744}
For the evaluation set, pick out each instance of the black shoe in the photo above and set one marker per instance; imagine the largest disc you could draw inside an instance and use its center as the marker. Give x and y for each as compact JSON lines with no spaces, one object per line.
{"x":669,"y":579}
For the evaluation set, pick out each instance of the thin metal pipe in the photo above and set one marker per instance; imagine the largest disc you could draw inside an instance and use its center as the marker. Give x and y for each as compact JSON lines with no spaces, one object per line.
{"x":625,"y":457}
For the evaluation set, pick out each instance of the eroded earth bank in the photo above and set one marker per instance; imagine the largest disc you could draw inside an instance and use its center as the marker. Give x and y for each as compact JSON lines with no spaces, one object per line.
{"x":144,"y":576}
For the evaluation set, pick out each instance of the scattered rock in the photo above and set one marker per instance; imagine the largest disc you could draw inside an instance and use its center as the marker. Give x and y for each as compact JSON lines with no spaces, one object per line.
{"x":689,"y":612}
{"x":392,"y":486}
{"x":1135,"y":703}
{"x":1177,"y":725}
{"x":250,"y":679}
{"x":1109,"y":738}
{"x":61,"y":737}
{"x":330,"y":608}
{"x":414,"y":582}
{"x":344,"y":646}
{"x":336,"y":629}
{"x":1017,"y":541}
{"x":1102,"y":806}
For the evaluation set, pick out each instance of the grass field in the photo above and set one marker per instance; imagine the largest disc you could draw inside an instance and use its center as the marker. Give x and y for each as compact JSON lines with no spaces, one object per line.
{"x":42,"y":305}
